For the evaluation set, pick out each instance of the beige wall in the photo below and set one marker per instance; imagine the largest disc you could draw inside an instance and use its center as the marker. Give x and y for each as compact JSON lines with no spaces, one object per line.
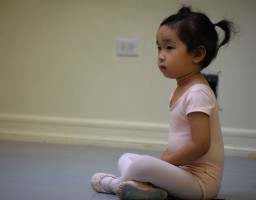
{"x":57,"y":59}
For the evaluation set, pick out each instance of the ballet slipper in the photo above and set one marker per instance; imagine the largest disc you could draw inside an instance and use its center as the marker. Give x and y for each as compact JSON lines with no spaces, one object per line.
{"x":95,"y":183}
{"x":133,"y":190}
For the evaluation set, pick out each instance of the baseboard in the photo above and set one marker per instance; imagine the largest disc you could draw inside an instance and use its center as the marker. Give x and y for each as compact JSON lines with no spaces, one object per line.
{"x":83,"y":131}
{"x":239,"y":142}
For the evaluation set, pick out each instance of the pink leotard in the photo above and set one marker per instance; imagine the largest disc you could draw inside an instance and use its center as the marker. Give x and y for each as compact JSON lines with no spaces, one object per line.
{"x":208,"y":169}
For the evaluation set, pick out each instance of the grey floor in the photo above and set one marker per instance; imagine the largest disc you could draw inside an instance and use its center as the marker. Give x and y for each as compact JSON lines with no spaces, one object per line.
{"x":39,"y":171}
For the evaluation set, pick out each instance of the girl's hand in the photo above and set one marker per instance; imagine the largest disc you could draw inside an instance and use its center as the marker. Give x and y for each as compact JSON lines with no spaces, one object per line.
{"x":165,"y":155}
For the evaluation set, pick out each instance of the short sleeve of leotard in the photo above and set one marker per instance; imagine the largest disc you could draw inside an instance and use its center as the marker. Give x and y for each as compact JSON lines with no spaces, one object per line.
{"x":199,"y":100}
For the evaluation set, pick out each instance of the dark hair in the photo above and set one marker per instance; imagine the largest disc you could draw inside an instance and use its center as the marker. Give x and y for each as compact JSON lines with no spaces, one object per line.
{"x":196,"y":30}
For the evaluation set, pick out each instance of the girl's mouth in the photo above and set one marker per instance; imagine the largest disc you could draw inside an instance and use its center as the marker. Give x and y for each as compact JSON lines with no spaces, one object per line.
{"x":161,"y":67}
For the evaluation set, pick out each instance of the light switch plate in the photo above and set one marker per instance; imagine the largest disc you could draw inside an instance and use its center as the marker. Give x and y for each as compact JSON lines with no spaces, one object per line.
{"x":127,"y":46}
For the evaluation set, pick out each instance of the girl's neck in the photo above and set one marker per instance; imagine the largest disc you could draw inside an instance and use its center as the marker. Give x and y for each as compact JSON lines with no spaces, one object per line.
{"x":191,"y":79}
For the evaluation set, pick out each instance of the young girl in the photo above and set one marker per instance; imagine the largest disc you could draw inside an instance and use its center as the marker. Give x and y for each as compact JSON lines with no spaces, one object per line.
{"x":192,"y":165}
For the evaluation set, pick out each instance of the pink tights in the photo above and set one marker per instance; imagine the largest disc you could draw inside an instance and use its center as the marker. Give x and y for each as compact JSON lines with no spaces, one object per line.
{"x":176,"y":181}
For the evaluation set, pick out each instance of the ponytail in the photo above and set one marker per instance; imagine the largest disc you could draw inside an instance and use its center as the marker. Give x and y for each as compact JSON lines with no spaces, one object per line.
{"x":228,"y":28}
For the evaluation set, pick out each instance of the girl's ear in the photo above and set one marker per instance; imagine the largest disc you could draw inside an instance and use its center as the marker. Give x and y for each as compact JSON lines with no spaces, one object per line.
{"x":199,"y":54}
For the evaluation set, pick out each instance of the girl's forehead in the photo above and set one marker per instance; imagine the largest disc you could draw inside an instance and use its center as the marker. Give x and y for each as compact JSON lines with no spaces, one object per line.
{"x":165,"y":33}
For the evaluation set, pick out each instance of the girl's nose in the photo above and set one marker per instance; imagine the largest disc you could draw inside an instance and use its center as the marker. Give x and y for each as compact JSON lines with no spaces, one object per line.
{"x":161,"y":57}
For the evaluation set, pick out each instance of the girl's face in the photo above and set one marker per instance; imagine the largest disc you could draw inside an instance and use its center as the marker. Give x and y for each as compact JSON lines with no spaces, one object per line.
{"x":174,"y":60}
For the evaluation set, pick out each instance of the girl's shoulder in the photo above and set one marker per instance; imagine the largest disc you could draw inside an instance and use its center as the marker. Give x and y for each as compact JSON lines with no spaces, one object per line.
{"x":197,"y":88}
{"x":199,"y":94}
{"x":199,"y":98}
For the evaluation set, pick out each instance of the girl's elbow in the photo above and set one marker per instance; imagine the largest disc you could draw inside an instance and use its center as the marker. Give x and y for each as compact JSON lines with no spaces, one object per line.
{"x":205,"y":147}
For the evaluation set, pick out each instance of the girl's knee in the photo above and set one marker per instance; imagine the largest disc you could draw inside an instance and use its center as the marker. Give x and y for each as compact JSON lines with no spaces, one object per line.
{"x":124,"y":156}
{"x":143,"y":165}
{"x":127,"y":158}
{"x":138,"y":164}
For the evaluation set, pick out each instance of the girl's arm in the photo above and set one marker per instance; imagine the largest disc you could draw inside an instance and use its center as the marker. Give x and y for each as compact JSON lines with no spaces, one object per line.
{"x":199,"y":144}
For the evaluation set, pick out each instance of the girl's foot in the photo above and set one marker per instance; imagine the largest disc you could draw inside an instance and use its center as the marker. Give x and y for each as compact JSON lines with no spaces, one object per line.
{"x":98,"y":187}
{"x":140,"y":191}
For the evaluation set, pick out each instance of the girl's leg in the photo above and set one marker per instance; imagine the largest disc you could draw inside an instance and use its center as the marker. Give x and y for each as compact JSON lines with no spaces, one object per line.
{"x":126,"y":160}
{"x":176,"y":181}
{"x":107,"y":183}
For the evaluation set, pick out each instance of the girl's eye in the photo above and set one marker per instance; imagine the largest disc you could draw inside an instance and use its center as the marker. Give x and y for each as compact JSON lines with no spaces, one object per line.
{"x":169,"y":47}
